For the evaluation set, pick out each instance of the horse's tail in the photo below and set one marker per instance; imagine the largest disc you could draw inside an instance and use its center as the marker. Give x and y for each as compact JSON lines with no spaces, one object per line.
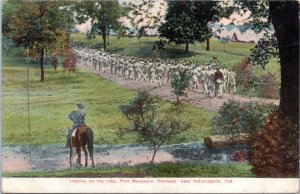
{"x":90,"y":142}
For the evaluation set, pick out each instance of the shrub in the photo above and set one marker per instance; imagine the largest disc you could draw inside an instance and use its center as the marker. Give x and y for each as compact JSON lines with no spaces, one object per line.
{"x":276,"y":148}
{"x":150,"y":123}
{"x":244,"y":74}
{"x":236,"y":117}
{"x":241,"y":156}
{"x":268,"y":87}
{"x":179,"y":83}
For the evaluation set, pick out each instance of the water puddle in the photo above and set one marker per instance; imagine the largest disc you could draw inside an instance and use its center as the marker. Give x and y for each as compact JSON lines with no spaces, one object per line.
{"x":56,"y":157}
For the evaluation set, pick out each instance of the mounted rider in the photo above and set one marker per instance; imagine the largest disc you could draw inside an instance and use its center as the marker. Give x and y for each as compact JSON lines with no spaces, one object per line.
{"x":78,"y":118}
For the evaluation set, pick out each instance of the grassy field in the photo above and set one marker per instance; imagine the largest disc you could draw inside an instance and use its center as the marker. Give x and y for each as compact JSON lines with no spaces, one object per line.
{"x":148,"y":170}
{"x":51,"y":101}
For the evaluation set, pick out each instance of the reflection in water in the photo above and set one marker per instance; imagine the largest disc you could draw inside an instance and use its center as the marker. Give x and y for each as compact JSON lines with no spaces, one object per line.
{"x":197,"y":152}
{"x":55,"y":157}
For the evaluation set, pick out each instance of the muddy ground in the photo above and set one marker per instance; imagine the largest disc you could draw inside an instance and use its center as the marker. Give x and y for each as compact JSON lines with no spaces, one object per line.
{"x":196,"y":98}
{"x":56,"y":157}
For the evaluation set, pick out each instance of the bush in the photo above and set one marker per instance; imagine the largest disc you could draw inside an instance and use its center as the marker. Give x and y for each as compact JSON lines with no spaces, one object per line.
{"x":241,"y":156}
{"x":179,"y":83}
{"x":236,"y":117}
{"x":151,"y":124}
{"x":268,"y":87}
{"x":244,"y":74}
{"x":275,"y":148}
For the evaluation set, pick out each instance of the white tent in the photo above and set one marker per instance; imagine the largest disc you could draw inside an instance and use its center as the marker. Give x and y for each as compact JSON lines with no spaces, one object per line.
{"x":249,"y":36}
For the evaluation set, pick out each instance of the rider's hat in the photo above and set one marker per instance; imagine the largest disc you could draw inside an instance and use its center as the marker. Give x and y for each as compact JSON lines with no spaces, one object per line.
{"x":80,"y":105}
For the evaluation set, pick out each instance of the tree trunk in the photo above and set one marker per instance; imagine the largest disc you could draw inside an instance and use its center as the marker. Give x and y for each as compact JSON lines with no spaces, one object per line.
{"x":46,"y":54}
{"x":108,"y":37}
{"x":104,"y":40}
{"x":186,"y":47}
{"x":177,"y":99}
{"x":154,"y":154}
{"x":42,"y":51}
{"x":207,"y":44}
{"x":284,"y":16}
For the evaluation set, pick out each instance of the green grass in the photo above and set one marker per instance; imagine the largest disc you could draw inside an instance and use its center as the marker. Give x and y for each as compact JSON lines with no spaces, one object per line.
{"x":148,"y":170}
{"x":51,"y":101}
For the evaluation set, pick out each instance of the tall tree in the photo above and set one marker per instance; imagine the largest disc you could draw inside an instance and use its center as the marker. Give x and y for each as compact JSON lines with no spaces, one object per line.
{"x":285,"y":40}
{"x":104,"y":16}
{"x":37,"y":26}
{"x":276,"y":147}
{"x":187,"y":21}
{"x":146,"y":16}
{"x":7,"y":8}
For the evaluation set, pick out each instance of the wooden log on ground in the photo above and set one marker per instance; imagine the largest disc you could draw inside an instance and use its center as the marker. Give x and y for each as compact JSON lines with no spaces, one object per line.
{"x":225,"y":140}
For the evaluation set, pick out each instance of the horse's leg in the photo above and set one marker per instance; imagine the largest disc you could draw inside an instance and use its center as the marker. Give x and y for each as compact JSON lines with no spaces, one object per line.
{"x":90,"y":144}
{"x":86,"y":155}
{"x":78,"y":150}
{"x":92,"y":157}
{"x":70,"y":160}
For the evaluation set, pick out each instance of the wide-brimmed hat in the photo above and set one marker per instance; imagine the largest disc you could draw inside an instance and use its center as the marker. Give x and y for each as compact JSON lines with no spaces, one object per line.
{"x":80,"y":105}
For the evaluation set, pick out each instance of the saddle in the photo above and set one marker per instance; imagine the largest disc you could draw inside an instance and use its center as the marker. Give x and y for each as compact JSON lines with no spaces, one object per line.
{"x":83,"y":126}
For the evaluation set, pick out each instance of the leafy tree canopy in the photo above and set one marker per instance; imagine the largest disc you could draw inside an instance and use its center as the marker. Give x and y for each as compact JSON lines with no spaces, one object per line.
{"x":186,"y":21}
{"x":104,"y":16}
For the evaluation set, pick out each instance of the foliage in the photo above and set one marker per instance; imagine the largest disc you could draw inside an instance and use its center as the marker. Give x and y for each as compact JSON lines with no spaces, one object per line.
{"x":156,"y":48}
{"x":266,"y":49}
{"x":241,"y":156}
{"x":103,"y":14}
{"x":236,"y":117}
{"x":150,"y":124}
{"x":159,"y":45}
{"x":147,"y":15}
{"x":179,"y":82}
{"x":8,"y":8}
{"x":37,"y":26}
{"x":259,"y":20}
{"x":276,"y":148}
{"x":244,"y":74}
{"x":268,"y":87}
{"x":70,"y":60}
{"x":186,"y":21}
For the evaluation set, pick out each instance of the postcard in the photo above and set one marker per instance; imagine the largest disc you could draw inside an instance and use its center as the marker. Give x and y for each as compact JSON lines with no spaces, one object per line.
{"x":150,"y":96}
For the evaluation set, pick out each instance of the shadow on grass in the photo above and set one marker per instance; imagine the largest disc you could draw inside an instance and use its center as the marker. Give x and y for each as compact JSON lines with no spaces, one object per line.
{"x":177,"y":53}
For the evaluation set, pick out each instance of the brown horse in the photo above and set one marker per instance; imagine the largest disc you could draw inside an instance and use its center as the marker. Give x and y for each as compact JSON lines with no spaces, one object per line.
{"x":84,"y":138}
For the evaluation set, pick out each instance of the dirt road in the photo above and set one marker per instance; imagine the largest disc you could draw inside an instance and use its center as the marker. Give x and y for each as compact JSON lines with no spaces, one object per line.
{"x":195,"y":98}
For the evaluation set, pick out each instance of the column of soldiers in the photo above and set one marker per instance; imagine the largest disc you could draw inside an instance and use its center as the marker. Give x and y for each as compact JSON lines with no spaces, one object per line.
{"x":215,"y":81}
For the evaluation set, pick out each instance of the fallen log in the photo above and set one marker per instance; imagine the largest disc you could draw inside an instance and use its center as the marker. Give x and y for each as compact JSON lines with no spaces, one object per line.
{"x":225,"y":140}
